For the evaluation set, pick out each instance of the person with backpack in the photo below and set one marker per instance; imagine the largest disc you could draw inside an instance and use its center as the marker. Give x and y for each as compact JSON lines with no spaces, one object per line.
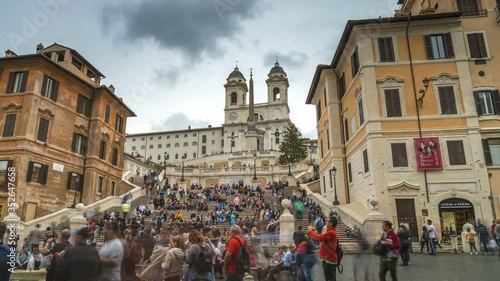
{"x":56,"y":251}
{"x":328,"y":248}
{"x":424,"y":240}
{"x":319,"y":223}
{"x":81,"y":262}
{"x":174,"y":259}
{"x":199,"y":258}
{"x":236,"y":258}
{"x":389,"y":260}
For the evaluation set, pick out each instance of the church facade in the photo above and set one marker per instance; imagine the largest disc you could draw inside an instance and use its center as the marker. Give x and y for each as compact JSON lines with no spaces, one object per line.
{"x":247,"y":126}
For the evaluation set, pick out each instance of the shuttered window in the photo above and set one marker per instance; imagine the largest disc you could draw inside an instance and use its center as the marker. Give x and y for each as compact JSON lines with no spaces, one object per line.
{"x":355,"y":63}
{"x":115,"y":156}
{"x":399,"y":155}
{"x":346,"y":130}
{"x":43,"y":130}
{"x":447,"y":100}
{"x":9,"y":125}
{"x":50,"y":88}
{"x":393,"y":103}
{"x":477,"y":46}
{"x":491,"y":148}
{"x":456,"y":152}
{"x":83,"y":105}
{"x":360,"y":112}
{"x":342,"y":87}
{"x":349,"y":172}
{"x":468,"y":7}
{"x":17,"y":82}
{"x":365,"y":161}
{"x":487,"y":102}
{"x":79,"y":144}
{"x":4,"y":174}
{"x":107,"y":113}
{"x":386,"y":49}
{"x":102,"y":150}
{"x":119,"y":123}
{"x":439,"y":46}
{"x":74,"y":181}
{"x":37,"y":172}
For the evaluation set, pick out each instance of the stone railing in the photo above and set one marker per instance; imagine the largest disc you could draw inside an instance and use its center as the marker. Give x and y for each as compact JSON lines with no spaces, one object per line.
{"x":153,"y":271}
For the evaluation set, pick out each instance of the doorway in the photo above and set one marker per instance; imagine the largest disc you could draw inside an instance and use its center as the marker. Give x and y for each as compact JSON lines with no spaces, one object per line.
{"x":405,"y":209}
{"x":453,"y":214}
{"x":3,"y":208}
{"x":30,"y":211}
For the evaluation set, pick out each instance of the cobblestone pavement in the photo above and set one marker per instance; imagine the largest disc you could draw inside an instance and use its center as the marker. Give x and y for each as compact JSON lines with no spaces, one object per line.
{"x":442,"y":267}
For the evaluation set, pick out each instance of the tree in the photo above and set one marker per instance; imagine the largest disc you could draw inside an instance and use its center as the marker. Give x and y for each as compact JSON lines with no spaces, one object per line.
{"x":291,"y":148}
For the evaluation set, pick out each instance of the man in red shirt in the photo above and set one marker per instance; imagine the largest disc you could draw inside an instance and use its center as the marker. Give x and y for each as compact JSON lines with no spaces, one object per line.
{"x":388,"y":262}
{"x":327,"y":248}
{"x":233,"y":246}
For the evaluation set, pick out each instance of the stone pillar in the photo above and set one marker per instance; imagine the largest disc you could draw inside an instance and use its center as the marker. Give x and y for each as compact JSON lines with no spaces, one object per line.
{"x":373,"y":223}
{"x":77,"y":221}
{"x":287,"y":224}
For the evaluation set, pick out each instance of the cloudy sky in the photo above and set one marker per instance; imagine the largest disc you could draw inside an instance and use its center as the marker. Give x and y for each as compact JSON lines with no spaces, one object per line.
{"x":168,"y":59}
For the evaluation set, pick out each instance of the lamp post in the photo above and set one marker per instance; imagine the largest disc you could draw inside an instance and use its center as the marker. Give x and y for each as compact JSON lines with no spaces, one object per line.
{"x":310,"y":155}
{"x":76,"y":189}
{"x":255,"y":166}
{"x":422,"y":92}
{"x":333,"y":171}
{"x":289,"y":167}
{"x":182,"y":175}
{"x":165,"y":158}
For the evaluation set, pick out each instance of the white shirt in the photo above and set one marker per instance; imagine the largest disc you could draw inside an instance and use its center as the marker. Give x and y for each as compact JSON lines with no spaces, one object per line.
{"x":112,"y":250}
{"x":432,"y":234}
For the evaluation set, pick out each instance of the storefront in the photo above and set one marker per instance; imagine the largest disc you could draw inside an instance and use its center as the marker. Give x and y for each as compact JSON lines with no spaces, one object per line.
{"x":454,"y":213}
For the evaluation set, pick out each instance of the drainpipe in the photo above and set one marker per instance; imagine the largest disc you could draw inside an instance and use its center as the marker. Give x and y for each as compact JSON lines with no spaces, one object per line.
{"x":415,"y":99}
{"x":86,"y":153}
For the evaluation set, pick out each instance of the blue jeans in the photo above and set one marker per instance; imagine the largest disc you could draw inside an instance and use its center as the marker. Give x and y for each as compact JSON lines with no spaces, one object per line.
{"x":233,"y":277}
{"x":272,"y":237}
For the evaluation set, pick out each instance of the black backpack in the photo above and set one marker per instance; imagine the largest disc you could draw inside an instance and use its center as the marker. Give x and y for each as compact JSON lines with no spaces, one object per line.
{"x":340,"y":255}
{"x":380,"y":249}
{"x":204,"y":260}
{"x":242,"y":262}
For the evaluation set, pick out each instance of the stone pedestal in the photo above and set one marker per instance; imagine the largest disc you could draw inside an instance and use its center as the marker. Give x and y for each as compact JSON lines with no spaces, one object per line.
{"x":14,"y":223}
{"x":287,"y":224}
{"x":77,"y":221}
{"x":255,"y":182}
{"x":373,"y":224}
{"x":182,"y":185}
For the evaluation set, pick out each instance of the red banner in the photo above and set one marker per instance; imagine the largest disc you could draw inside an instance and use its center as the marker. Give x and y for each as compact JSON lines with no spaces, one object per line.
{"x":428,"y":154}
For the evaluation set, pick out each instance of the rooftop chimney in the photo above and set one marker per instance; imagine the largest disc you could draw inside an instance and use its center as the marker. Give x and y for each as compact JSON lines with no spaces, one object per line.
{"x":111,"y":88}
{"x":39,"y":48}
{"x":10,"y":54}
{"x":189,"y":127}
{"x":210,"y":126}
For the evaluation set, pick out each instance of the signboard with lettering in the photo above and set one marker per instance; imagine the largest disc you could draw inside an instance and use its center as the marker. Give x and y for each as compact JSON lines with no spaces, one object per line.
{"x":57,"y":167}
{"x":455,"y":203}
{"x":428,"y":154}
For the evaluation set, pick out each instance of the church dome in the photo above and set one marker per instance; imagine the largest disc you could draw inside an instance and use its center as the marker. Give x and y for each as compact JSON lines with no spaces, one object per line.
{"x":277,"y":69}
{"x":236,"y":74}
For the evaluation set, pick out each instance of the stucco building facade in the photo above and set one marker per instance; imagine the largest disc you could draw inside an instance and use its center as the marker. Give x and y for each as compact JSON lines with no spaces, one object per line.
{"x":426,"y":77}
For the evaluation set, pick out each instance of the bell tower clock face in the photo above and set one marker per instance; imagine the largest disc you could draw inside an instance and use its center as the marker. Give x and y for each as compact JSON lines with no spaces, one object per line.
{"x":233,"y":116}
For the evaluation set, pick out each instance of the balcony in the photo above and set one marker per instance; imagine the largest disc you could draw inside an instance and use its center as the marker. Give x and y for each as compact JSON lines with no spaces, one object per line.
{"x":471,"y":12}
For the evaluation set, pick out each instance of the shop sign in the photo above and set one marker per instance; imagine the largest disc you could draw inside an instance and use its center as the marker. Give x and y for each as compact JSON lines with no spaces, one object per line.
{"x":428,"y":154}
{"x":455,"y":204}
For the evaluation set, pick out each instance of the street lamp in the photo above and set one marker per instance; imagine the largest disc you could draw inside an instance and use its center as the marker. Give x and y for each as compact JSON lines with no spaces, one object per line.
{"x":182,"y":176}
{"x":422,"y":92}
{"x":165,"y":158}
{"x":310,"y":155}
{"x":255,"y":166}
{"x":289,"y":168}
{"x":76,"y":189}
{"x":333,"y":171}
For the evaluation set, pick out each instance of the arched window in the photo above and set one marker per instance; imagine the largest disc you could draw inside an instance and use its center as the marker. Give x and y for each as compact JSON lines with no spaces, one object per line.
{"x":276,"y":94}
{"x":234,"y":98}
{"x":257,"y":117}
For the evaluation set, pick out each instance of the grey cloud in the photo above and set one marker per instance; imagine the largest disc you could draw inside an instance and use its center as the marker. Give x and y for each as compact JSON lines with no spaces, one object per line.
{"x":191,"y":26}
{"x":179,"y":121}
{"x":168,"y":76}
{"x":291,"y":59}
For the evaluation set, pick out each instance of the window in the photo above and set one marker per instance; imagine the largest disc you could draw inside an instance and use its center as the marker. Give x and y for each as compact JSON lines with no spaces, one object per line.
{"x":159,"y":137}
{"x":168,"y":137}
{"x":133,"y":140}
{"x":79,"y":144}
{"x":185,"y":135}
{"x":102,"y":150}
{"x":113,"y":187}
{"x":346,"y":129}
{"x":74,"y":181}
{"x":99,"y":184}
{"x":77,"y":64}
{"x":143,"y":147}
{"x":477,"y":46}
{"x":9,"y":125}
{"x":43,"y":130}
{"x":222,"y":143}
{"x":365,"y":161}
{"x":355,"y":63}
{"x":439,"y":46}
{"x":159,"y":146}
{"x":386,"y":49}
{"x":324,"y":96}
{"x":399,"y":155}
{"x":50,"y":88}
{"x":151,"y":146}
{"x":277,"y":141}
{"x":321,"y":147}
{"x":203,"y":150}
{"x":37,"y":172}
{"x":115,"y":156}
{"x":393,"y":103}
{"x":491,"y":149}
{"x":468,"y":7}
{"x":195,"y":143}
{"x":234,"y":98}
{"x":176,"y":144}
{"x":456,"y":152}
{"x":318,"y":110}
{"x":4,"y":174}
{"x":168,"y":145}
{"x":327,"y":139}
{"x":194,"y":155}
{"x":353,"y":124}
{"x":142,"y":139}
{"x":342,"y":87}
{"x":194,"y":135}
{"x":83,"y":105}
{"x":176,"y":136}
{"x":106,"y":114}
{"x":487,"y":102}
{"x":159,"y":157}
{"x":186,"y":144}
{"x":204,"y":139}
{"x":276,"y":94}
{"x":213,"y":141}
{"x":17,"y":82}
{"x":60,"y":56}
{"x":119,"y":124}
{"x":324,"y":185}
{"x":360,"y":112}
{"x":349,"y":172}
{"x":134,"y":147}
{"x":176,"y":156}
{"x":447,"y":100}
{"x":213,"y":133}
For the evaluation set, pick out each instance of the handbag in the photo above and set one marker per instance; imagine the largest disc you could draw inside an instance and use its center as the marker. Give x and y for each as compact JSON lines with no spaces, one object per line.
{"x":380,"y":249}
